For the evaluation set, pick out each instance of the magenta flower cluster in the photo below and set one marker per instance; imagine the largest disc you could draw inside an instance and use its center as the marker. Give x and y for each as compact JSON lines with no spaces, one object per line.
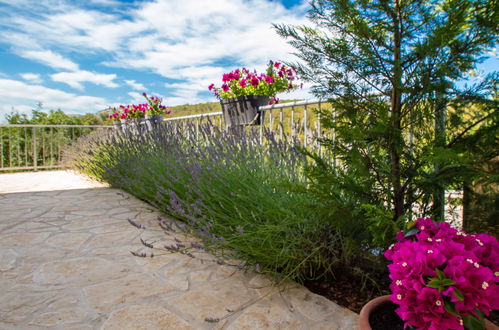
{"x":152,"y":107}
{"x":441,"y":276}
{"x":278,"y":78}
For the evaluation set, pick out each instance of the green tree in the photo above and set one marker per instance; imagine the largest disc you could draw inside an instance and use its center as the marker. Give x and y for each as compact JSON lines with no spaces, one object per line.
{"x":395,"y":72}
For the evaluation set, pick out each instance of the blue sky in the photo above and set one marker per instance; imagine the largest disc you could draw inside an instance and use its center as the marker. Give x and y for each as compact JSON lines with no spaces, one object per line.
{"x":84,"y":56}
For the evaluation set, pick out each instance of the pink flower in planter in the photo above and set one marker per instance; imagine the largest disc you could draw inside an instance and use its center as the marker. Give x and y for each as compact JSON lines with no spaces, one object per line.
{"x":276,"y":79}
{"x":437,"y":269}
{"x":254,"y":81}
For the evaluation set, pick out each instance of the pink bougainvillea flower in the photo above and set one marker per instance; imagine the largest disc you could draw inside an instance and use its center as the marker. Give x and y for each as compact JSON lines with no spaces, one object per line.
{"x":225,"y":87}
{"x":211,"y":87}
{"x":441,"y":265}
{"x":269,"y":80}
{"x":242,"y":83}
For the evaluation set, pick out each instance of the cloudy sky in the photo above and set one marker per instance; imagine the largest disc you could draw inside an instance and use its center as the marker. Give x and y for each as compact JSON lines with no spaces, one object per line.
{"x":83,"y":56}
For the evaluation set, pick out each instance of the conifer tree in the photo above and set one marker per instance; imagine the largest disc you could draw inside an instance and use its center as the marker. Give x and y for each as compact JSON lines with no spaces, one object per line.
{"x":404,"y":116}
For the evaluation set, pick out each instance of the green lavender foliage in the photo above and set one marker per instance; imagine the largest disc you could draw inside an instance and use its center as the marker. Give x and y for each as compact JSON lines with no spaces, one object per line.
{"x":242,"y":199}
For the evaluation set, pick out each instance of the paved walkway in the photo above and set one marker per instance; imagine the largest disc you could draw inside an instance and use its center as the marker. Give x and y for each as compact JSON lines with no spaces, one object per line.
{"x":65,"y":263}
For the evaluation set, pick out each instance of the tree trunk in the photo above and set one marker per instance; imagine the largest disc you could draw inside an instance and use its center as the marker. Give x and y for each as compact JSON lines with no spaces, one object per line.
{"x":396,"y":107}
{"x":438,"y":209}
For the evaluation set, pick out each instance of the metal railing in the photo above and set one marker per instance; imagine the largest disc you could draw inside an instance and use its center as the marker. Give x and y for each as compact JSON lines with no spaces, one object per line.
{"x":35,"y":147}
{"x":296,"y":120}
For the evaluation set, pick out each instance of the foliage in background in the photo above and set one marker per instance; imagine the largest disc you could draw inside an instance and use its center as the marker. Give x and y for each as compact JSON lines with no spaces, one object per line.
{"x":54,"y":117}
{"x":18,"y":148}
{"x":243,"y":199}
{"x":407,"y":126}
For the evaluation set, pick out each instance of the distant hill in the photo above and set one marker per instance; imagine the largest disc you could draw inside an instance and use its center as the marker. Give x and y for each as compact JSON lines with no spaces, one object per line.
{"x":194,"y":109}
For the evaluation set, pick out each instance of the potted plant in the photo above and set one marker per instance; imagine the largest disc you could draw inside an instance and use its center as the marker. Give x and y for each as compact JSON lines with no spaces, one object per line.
{"x":154,"y":111}
{"x":442,"y":278}
{"x":115,"y":117}
{"x":242,"y":92}
{"x":133,"y":116}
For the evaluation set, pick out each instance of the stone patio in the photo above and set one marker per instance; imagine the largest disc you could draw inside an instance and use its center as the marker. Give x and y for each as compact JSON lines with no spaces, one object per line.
{"x":65,"y":263}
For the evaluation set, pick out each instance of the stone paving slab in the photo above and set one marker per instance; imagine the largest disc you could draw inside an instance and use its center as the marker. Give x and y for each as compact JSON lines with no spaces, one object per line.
{"x":65,"y":263}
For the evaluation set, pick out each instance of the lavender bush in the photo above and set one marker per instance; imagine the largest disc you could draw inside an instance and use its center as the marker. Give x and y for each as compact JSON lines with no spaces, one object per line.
{"x":243,"y":199}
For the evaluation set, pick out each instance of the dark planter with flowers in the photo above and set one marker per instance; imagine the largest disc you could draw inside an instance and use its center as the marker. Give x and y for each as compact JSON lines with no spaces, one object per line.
{"x":243,"y":91}
{"x":125,"y":124}
{"x":153,"y":121}
{"x":243,"y":110}
{"x":136,"y":125}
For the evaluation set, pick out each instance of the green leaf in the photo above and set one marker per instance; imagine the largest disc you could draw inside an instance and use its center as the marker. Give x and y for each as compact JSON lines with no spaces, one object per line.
{"x":472,"y":322}
{"x":458,"y":294}
{"x":411,"y":232}
{"x":451,"y":308}
{"x":440,"y":284}
{"x":440,"y":274}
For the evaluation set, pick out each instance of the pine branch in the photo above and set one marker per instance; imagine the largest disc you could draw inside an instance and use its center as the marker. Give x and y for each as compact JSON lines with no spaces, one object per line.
{"x":467,"y":129}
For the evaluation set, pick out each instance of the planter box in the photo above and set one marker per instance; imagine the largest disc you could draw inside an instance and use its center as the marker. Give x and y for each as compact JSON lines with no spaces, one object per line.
{"x":153,"y":121}
{"x":136,"y":125}
{"x":243,"y":110}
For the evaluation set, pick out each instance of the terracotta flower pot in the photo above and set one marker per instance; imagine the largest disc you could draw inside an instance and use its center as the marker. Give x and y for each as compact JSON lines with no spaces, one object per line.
{"x":376,"y":303}
{"x":370,"y":307}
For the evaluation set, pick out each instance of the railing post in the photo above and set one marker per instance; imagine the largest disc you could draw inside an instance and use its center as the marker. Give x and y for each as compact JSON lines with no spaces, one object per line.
{"x":10,"y":148}
{"x":197,"y":129}
{"x":271,"y":121}
{"x":305,"y":131}
{"x":18,"y":148}
{"x":261,"y":132}
{"x":319,"y":133}
{"x":281,"y":127}
{"x":25,"y":146}
{"x":34,"y":150}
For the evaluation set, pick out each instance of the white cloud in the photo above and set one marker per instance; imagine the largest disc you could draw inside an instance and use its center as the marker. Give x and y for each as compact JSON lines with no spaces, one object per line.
{"x":49,"y":58}
{"x":135,"y":85}
{"x":191,"y":42}
{"x":34,"y":78}
{"x":75,"y":79}
{"x":23,"y":97}
{"x":136,"y":98}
